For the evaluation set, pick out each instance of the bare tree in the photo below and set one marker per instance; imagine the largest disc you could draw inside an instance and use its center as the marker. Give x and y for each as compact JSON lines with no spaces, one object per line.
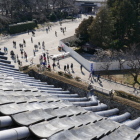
{"x":134,"y":63}
{"x":120,"y":56}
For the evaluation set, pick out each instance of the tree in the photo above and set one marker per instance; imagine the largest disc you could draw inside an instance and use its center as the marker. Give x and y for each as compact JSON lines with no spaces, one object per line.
{"x":100,"y":29}
{"x":125,"y":16}
{"x":120,"y":56}
{"x":82,"y":30}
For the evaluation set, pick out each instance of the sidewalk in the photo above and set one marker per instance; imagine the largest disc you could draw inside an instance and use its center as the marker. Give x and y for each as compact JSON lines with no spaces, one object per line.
{"x":51,"y":44}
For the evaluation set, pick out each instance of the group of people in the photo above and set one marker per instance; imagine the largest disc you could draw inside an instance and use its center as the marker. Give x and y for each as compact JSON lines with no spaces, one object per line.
{"x":63,"y":30}
{"x":67,"y":67}
{"x":48,"y":28}
{"x":92,"y":75}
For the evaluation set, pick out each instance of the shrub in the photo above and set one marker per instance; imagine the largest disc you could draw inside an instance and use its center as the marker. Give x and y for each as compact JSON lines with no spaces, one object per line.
{"x":21,"y":27}
{"x":127,"y":96}
{"x":38,"y":65}
{"x":61,"y":73}
{"x":48,"y":69}
{"x":70,"y":17}
{"x":68,"y":75}
{"x":77,"y":78}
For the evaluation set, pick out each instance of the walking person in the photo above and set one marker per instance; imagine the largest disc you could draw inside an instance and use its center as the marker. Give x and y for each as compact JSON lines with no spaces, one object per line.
{"x":34,"y":52}
{"x":21,"y":53}
{"x":25,"y":54}
{"x":18,"y":62}
{"x":31,"y":39}
{"x":5,"y":50}
{"x":58,"y":64}
{"x":55,"y":33}
{"x":91,"y":76}
{"x":43,"y":44}
{"x":24,"y":42}
{"x":53,"y":65}
{"x":98,"y":77}
{"x":63,"y":31}
{"x":111,"y":94}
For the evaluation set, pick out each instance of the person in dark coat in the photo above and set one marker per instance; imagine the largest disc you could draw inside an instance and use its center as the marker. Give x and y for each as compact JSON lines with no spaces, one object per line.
{"x":64,"y":67}
{"x":68,"y":67}
{"x":71,"y":66}
{"x":81,"y":67}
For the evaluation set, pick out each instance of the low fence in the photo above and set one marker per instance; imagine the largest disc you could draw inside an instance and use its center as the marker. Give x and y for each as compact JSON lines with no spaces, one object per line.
{"x":96,"y":66}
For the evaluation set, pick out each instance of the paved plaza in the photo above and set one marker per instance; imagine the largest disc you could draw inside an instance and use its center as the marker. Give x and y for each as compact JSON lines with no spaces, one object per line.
{"x":51,"y":44}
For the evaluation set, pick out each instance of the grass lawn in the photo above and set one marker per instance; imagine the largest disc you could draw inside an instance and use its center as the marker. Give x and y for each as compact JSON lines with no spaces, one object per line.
{"x":123,"y":78}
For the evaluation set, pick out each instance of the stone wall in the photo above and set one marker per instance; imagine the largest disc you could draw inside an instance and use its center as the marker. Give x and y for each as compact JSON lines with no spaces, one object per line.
{"x":59,"y":84}
{"x":122,"y":104}
{"x":117,"y":102}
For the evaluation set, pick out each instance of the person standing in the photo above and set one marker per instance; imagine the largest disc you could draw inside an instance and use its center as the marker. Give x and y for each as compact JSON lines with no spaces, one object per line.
{"x":98,"y":77}
{"x":64,"y":67}
{"x":63,"y":31}
{"x":43,"y":44}
{"x":81,"y":66}
{"x":58,"y":64}
{"x":68,"y":67}
{"x":47,"y":30}
{"x":71,"y":66}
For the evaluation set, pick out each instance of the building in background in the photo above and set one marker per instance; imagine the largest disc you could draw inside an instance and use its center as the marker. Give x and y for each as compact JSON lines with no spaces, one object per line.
{"x":89,"y":6}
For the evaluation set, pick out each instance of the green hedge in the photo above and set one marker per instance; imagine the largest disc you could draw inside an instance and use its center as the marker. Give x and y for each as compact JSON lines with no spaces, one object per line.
{"x":70,"y":17}
{"x":127,"y":96}
{"x":21,"y":27}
